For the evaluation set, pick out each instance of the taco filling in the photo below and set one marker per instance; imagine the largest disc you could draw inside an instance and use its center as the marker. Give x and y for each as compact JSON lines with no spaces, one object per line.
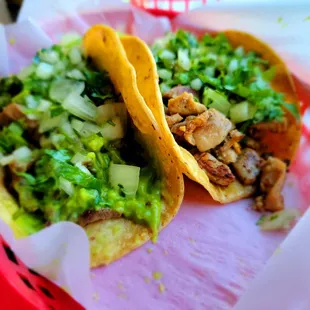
{"x":67,"y":147}
{"x":218,"y":100}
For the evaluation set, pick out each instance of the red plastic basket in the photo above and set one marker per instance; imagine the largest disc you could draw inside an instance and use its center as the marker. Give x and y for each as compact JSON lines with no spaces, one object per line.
{"x":22,"y":288}
{"x":168,"y":8}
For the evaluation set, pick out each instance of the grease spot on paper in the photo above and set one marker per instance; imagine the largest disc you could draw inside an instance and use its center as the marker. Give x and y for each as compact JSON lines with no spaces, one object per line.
{"x":161,"y":288}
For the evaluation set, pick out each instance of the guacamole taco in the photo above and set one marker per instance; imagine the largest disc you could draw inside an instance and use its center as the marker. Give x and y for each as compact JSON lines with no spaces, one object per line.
{"x":227,"y":104}
{"x":78,"y":144}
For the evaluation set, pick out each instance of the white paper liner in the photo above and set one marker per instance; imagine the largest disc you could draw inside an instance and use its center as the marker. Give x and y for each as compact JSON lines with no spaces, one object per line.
{"x":283,"y":26}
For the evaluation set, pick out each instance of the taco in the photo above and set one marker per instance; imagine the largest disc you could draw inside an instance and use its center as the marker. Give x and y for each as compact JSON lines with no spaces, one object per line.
{"x":228,"y":104}
{"x":78,"y":144}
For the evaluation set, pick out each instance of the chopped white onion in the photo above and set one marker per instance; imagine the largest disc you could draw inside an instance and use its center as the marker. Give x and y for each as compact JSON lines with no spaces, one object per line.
{"x":31,"y":102}
{"x":79,"y":158}
{"x":75,"y":55}
{"x":76,"y":75}
{"x":25,"y":72}
{"x":49,"y":56}
{"x":83,"y":168}
{"x":183,"y":59}
{"x":66,"y":127}
{"x":44,"y":71}
{"x":80,"y":107}
{"x":60,"y":89}
{"x":113,"y":131}
{"x":66,"y":186}
{"x":5,"y":160}
{"x":77,"y":125}
{"x":279,"y":220}
{"x":20,"y":155}
{"x":47,"y":124}
{"x":233,"y":65}
{"x":44,"y":105}
{"x":126,"y":176}
{"x":108,"y":111}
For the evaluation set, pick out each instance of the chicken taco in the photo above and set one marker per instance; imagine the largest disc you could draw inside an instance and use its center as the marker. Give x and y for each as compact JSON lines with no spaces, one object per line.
{"x":78,"y":144}
{"x":228,"y":105}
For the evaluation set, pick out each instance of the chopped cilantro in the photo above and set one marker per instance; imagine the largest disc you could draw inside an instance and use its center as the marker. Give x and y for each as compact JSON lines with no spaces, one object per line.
{"x":236,"y":74}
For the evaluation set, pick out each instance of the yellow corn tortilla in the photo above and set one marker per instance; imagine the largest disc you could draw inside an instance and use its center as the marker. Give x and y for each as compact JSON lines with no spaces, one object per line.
{"x":111,"y":239}
{"x":140,"y":56}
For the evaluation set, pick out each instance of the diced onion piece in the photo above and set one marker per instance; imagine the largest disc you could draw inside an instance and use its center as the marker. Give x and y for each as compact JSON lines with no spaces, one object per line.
{"x":70,"y":38}
{"x":113,"y":131}
{"x":76,"y":75}
{"x":216,"y":101}
{"x":233,"y":65}
{"x":75,"y":55}
{"x":68,"y":130}
{"x":239,"y":51}
{"x":89,"y":129}
{"x":25,"y":72}
{"x":47,"y":124}
{"x":125,"y":177}
{"x":164,"y":88}
{"x":165,"y":74}
{"x":196,"y":84}
{"x":49,"y":56}
{"x":77,"y":124}
{"x":66,"y":186}
{"x":241,"y":112}
{"x":56,"y":139}
{"x":209,"y":71}
{"x":44,"y":105}
{"x":60,"y":89}
{"x":60,"y":68}
{"x":83,"y":168}
{"x":183,"y":59}
{"x":20,"y":155}
{"x":79,"y":158}
{"x":211,"y":56}
{"x":5,"y":160}
{"x":279,"y":220}
{"x":44,"y":71}
{"x":110,"y":110}
{"x":167,"y":55}
{"x":85,"y":129}
{"x":80,"y":107}
{"x":31,"y":102}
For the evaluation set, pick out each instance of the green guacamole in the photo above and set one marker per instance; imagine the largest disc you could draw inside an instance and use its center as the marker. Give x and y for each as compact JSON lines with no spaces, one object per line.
{"x":66,"y":144}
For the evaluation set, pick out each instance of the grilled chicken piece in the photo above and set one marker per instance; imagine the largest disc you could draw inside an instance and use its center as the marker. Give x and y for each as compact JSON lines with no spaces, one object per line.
{"x":271,"y":184}
{"x":13,"y":112}
{"x":217,"y":172}
{"x":179,"y":90}
{"x":173,"y":119}
{"x":92,"y":216}
{"x":248,"y":166}
{"x":233,"y":137}
{"x":184,"y":105}
{"x":208,"y":130}
{"x":228,"y":152}
{"x":226,"y":156}
{"x":180,"y":128}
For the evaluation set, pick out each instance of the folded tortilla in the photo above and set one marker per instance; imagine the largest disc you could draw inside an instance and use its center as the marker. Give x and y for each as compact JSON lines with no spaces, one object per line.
{"x":113,"y":238}
{"x":140,"y":56}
